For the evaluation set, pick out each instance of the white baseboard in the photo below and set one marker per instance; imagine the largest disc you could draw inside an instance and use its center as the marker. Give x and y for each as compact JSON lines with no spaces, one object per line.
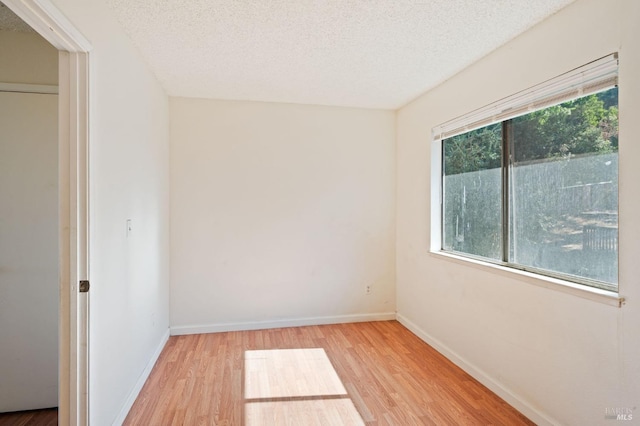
{"x":295,"y":322}
{"x":141,"y":381}
{"x":513,"y":399}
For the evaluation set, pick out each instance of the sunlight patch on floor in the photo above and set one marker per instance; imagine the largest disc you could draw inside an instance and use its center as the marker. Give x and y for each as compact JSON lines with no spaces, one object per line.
{"x":295,"y":387}
{"x":315,"y":412}
{"x":290,"y":372}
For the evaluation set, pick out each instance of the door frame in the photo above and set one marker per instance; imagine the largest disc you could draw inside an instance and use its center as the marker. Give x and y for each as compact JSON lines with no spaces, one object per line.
{"x":73,"y":201}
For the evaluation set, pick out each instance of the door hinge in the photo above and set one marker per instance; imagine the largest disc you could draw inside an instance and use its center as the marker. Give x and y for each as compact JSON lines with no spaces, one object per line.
{"x":84,"y":286}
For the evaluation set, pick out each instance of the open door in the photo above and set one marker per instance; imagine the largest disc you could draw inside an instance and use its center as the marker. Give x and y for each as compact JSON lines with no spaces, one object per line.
{"x":73,"y":142}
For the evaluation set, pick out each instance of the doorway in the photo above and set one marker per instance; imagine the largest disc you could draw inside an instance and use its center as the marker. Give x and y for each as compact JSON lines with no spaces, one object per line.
{"x":72,"y":200}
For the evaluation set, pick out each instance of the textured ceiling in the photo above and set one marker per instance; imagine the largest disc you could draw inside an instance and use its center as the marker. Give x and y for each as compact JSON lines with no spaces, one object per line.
{"x":9,"y":21}
{"x":363,"y":53}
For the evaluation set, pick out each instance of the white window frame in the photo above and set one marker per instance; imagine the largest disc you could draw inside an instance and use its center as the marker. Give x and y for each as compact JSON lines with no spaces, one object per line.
{"x":590,"y":78}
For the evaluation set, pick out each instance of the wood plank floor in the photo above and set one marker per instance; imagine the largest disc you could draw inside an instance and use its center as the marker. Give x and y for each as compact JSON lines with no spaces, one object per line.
{"x":389,"y":377}
{"x":46,"y":417}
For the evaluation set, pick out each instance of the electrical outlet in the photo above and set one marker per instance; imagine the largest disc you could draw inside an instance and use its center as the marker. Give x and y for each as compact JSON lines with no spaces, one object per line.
{"x":367,"y":290}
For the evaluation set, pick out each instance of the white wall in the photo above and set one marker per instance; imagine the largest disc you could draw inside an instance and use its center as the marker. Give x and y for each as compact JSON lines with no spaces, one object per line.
{"x":280,"y":214}
{"x":558,"y":357}
{"x":129,"y":179}
{"x":27,"y":58}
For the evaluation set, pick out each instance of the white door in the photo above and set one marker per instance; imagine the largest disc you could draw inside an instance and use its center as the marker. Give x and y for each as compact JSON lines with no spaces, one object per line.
{"x":28,"y":251}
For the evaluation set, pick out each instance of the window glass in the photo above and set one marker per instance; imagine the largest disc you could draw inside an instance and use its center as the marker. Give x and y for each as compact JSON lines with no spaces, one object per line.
{"x":471,"y":192}
{"x":563,"y":214}
{"x":561,"y":189}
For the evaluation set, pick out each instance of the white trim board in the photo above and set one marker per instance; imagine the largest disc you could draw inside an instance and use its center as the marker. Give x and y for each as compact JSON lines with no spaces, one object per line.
{"x":133,"y":395}
{"x":294,"y":322}
{"x":499,"y":389}
{"x":47,"y":20}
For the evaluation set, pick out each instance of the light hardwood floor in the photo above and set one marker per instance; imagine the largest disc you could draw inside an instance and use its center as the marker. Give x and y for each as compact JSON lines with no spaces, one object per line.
{"x":46,"y":417}
{"x":376,"y":373}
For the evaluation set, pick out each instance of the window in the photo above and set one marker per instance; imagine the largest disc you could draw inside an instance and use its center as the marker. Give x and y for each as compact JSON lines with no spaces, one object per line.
{"x":536,"y":188}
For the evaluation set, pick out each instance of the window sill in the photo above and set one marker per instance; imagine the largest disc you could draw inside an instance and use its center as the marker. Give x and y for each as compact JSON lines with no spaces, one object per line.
{"x":591,"y":293}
